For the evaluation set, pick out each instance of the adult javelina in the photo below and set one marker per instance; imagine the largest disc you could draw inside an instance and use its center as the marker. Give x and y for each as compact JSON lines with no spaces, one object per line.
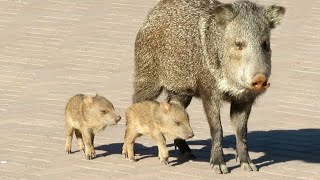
{"x":210,"y":50}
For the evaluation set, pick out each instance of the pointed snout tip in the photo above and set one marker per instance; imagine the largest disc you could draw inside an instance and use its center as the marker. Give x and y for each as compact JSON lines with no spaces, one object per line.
{"x":191,"y":135}
{"x":260,"y":83}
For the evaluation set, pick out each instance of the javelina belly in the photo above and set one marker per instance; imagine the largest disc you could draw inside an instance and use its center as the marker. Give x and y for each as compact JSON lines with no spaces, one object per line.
{"x":210,"y":50}
{"x":86,"y":116}
{"x":160,"y":121}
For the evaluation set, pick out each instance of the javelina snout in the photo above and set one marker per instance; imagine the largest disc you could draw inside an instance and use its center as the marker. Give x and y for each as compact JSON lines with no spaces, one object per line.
{"x":182,"y":130}
{"x":260,"y":82}
{"x":186,"y":130}
{"x":111,"y":117}
{"x":108,"y":115}
{"x":178,"y":123}
{"x":190,"y":135}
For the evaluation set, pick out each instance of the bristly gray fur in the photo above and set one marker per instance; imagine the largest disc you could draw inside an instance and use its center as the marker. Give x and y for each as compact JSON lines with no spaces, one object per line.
{"x":189,"y":49}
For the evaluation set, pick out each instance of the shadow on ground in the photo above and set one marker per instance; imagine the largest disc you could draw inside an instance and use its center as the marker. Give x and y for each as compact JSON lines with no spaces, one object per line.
{"x":276,"y":145}
{"x":141,"y":151}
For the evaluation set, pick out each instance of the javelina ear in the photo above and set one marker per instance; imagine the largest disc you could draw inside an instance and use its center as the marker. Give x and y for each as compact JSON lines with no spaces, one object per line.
{"x":165,"y":106}
{"x":275,"y":15}
{"x":224,"y":13}
{"x":88,"y":100}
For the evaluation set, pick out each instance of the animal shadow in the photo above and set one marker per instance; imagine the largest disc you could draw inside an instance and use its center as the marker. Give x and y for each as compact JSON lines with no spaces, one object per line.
{"x":276,"y":146}
{"x":141,"y":151}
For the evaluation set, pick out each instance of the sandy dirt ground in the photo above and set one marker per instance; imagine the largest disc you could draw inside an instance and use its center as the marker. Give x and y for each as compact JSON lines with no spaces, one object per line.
{"x":53,"y":49}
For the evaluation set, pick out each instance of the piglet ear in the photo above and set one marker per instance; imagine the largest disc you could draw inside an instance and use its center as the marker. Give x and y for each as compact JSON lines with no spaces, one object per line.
{"x":275,"y":15}
{"x":165,"y":107}
{"x":88,"y":100}
{"x":224,"y":14}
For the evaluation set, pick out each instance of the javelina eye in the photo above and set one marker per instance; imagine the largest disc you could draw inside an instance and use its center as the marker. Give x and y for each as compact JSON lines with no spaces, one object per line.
{"x":266,"y":45}
{"x":104,"y":111}
{"x":239,"y":45}
{"x":177,"y":123}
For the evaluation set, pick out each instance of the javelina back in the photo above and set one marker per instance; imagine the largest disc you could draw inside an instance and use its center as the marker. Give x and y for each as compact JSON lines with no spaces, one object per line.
{"x":161,"y":121}
{"x":86,"y":116}
{"x":210,"y":50}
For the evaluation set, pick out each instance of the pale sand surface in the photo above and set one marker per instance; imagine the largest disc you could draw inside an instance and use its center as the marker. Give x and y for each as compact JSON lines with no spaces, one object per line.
{"x":51,"y":50}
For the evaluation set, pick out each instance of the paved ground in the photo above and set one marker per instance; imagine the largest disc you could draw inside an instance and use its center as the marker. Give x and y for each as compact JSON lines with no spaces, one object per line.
{"x":51,"y":50}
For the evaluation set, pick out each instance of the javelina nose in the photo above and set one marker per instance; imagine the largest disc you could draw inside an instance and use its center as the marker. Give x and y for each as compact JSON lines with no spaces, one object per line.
{"x":260,"y":82}
{"x":118,"y":118}
{"x":191,"y":135}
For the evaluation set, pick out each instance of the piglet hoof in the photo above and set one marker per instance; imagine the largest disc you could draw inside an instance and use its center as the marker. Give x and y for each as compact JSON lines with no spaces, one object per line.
{"x":125,"y":155}
{"x":89,"y":157}
{"x":165,"y":161}
{"x":220,"y":169}
{"x":133,"y":160}
{"x":249,"y":167}
{"x":68,"y":149}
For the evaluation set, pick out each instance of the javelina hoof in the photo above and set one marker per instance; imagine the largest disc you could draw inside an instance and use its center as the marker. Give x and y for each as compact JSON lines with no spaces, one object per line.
{"x":90,"y":156}
{"x":165,"y":161}
{"x":249,"y":167}
{"x":220,"y":169}
{"x":133,"y":160}
{"x":125,"y":155}
{"x":68,"y":150}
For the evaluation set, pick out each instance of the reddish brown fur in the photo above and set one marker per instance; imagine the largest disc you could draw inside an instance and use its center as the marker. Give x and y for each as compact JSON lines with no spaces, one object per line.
{"x":86,"y":116}
{"x":158,"y":120}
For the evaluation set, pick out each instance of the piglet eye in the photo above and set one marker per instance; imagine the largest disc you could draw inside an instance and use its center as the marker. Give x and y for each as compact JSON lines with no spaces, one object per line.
{"x":177,"y":123}
{"x":239,"y":45}
{"x":104,"y":111}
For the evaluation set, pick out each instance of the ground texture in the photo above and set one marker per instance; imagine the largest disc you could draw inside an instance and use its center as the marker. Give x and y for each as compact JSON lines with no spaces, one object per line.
{"x":53,"y":49}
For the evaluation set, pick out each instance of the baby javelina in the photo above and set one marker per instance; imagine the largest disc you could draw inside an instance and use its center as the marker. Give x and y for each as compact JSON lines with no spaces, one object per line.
{"x":86,"y":116}
{"x":161,"y":121}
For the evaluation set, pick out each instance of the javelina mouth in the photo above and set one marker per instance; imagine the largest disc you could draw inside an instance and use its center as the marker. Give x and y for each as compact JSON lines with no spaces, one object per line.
{"x":113,"y":123}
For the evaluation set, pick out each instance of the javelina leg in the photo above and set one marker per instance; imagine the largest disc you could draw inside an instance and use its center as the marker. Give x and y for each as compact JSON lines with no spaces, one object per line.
{"x":87,"y":139}
{"x":162,"y":147}
{"x":92,"y":139}
{"x":145,"y":90}
{"x":69,"y":135}
{"x":124,"y":147}
{"x":239,"y":114}
{"x":79,"y":140}
{"x":212,"y":109}
{"x":92,"y":142}
{"x":128,"y":146}
{"x":184,"y":100}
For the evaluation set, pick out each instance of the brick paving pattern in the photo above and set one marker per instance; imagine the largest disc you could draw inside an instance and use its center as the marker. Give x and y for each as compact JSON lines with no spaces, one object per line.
{"x":53,"y":49}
